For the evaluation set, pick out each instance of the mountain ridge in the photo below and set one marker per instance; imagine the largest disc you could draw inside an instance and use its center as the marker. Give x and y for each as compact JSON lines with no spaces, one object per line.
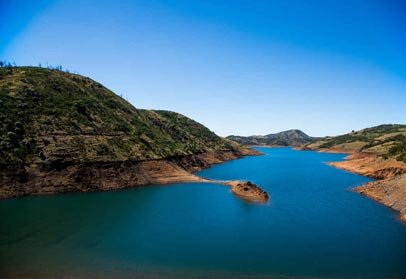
{"x":292,"y":137}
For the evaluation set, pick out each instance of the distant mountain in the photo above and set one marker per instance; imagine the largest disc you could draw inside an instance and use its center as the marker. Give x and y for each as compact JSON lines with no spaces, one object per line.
{"x":285,"y":138}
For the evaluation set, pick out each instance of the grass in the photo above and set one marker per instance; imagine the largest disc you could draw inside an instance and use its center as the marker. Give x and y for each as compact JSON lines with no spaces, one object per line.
{"x":387,"y":140}
{"x":53,"y":115}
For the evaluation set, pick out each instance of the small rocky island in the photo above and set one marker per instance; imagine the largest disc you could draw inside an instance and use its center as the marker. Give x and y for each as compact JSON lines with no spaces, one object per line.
{"x":248,"y":191}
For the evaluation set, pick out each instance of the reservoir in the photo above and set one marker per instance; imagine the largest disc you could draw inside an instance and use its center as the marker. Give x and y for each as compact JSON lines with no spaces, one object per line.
{"x":313,"y":226}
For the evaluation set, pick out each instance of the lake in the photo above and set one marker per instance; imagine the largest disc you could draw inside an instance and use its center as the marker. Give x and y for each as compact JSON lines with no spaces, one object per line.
{"x":314,"y":226}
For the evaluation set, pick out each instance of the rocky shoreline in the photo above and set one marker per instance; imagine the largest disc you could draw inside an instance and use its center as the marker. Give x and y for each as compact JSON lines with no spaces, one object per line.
{"x":390,"y":192}
{"x":389,"y":188}
{"x":102,"y":176}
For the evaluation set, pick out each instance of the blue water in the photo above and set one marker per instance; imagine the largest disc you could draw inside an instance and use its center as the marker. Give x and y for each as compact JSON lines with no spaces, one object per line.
{"x":313,"y":227}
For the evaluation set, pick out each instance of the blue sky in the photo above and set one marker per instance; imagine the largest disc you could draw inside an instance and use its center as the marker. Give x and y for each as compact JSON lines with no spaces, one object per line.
{"x":238,"y":67}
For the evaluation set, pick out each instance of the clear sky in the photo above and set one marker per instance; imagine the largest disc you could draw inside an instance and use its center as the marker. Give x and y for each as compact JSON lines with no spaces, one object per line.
{"x":238,"y":67}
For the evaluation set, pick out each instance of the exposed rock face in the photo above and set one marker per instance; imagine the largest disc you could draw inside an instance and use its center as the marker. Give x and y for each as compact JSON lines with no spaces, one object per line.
{"x":205,"y":160}
{"x":101,"y":176}
{"x":248,"y":191}
{"x":371,"y":165}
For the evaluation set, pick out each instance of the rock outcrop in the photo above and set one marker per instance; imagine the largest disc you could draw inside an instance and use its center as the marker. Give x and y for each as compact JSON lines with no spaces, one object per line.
{"x":248,"y":191}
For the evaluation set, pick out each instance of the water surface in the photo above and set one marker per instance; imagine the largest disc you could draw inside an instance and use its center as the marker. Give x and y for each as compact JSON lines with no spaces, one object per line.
{"x":313,"y":227}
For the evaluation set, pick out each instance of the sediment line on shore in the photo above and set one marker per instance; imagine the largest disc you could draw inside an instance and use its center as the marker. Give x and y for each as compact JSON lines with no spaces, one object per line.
{"x":102,"y":176}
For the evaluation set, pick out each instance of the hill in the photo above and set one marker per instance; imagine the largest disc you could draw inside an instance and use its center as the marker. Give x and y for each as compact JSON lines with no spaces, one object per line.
{"x":285,"y":138}
{"x":58,"y":125}
{"x":387,"y":141}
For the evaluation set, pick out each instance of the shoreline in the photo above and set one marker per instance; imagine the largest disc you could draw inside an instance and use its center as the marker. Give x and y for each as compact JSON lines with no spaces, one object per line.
{"x":387,"y":189}
{"x":389,"y":186}
{"x":105,"y":176}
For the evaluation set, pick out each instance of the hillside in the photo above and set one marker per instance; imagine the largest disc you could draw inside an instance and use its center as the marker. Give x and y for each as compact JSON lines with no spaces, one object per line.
{"x":387,"y":141}
{"x":54,"y":120}
{"x":285,"y":138}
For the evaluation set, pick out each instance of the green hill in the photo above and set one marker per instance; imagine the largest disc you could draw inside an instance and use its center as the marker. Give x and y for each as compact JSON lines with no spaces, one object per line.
{"x":285,"y":138}
{"x":50,"y":115}
{"x":389,"y":141}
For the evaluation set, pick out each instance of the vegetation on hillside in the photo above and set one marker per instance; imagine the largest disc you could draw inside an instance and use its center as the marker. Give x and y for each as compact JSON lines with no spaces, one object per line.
{"x":285,"y":138}
{"x":51,"y":115}
{"x":387,"y":140}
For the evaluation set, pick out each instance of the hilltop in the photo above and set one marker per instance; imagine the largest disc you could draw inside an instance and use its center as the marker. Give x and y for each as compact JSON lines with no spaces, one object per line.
{"x":65,"y":132}
{"x":285,"y":138}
